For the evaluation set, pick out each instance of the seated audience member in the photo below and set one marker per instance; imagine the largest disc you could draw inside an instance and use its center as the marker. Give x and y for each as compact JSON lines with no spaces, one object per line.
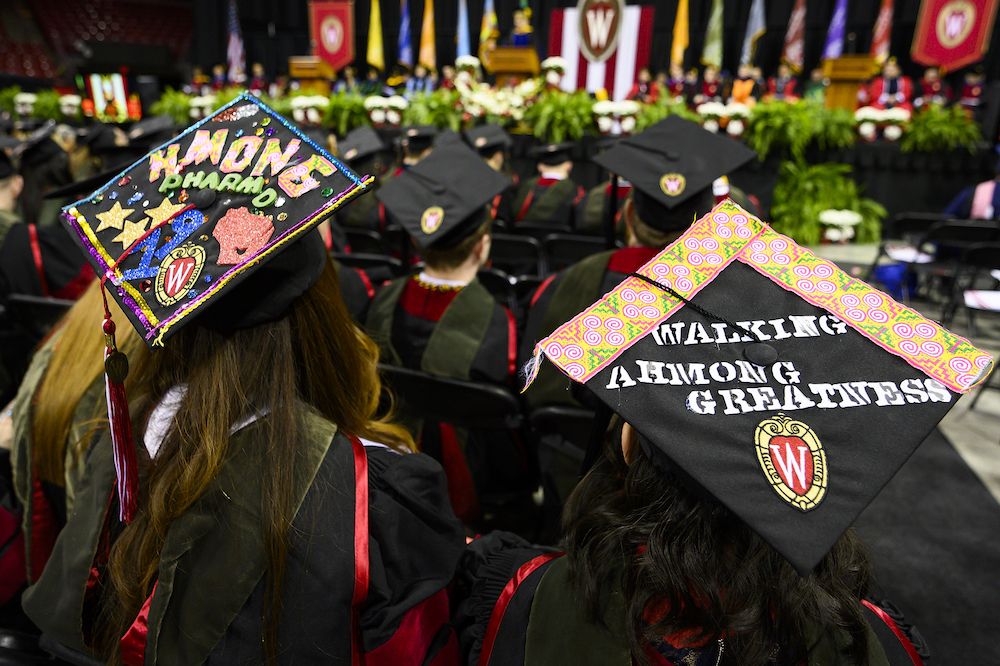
{"x":415,"y":143}
{"x":708,"y":528}
{"x":549,"y":198}
{"x":45,"y":166}
{"x":744,"y":88}
{"x":933,"y":90}
{"x":671,"y":188}
{"x":815,"y":88}
{"x":711,"y":88}
{"x":782,"y":86}
{"x":891,"y":89}
{"x":257,"y":458}
{"x":443,"y":321}
{"x":644,"y":89}
{"x":492,"y":142}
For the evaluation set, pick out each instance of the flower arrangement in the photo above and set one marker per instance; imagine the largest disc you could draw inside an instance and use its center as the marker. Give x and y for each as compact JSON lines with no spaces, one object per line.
{"x":839,"y":224}
{"x":607,"y":111}
{"x":201,"y":106}
{"x":346,"y":111}
{"x":306,"y":109}
{"x":24,"y":104}
{"x":467,"y":63}
{"x":554,"y":63}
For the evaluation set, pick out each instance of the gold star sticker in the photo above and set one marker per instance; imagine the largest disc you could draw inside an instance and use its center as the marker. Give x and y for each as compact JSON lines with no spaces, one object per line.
{"x":130,"y":233}
{"x":114,"y":217}
{"x":164,"y":211}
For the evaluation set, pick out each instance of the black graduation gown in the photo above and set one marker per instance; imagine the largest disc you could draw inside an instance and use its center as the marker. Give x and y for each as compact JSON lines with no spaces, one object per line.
{"x":546,"y":201}
{"x":356,"y":289}
{"x":515,"y":605}
{"x":592,"y":211}
{"x":41,"y":261}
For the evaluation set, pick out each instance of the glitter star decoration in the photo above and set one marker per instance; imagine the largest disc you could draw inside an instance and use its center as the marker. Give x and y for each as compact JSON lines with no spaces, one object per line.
{"x":163,"y":212}
{"x":130,"y":233}
{"x":114,"y":218}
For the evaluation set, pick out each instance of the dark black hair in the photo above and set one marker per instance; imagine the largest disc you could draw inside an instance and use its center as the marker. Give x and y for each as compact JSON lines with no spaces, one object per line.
{"x":690,"y":567}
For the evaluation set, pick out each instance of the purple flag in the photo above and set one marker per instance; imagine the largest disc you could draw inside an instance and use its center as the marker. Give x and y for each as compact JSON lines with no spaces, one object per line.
{"x":835,"y":35}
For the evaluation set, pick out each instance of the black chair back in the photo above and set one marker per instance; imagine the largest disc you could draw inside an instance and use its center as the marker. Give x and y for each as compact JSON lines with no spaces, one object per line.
{"x":500,"y":285}
{"x":541,"y":231}
{"x":518,"y":255}
{"x":563,"y":250}
{"x":911,"y":226}
{"x":962,"y":234}
{"x":364,"y":241}
{"x":462,"y":404}
{"x":571,"y":423}
{"x":377,"y":264}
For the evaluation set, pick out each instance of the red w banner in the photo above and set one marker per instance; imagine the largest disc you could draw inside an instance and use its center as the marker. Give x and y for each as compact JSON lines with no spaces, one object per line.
{"x":331,"y":26}
{"x":605,"y":44}
{"x":953,"y":33}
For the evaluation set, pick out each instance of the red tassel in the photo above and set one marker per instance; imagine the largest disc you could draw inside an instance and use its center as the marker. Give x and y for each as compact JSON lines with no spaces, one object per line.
{"x":126,"y":467}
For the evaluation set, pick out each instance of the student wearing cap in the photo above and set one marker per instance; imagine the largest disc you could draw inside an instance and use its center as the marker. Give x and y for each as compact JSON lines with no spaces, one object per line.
{"x":207,"y":536}
{"x":549,"y":198}
{"x":591,"y":213}
{"x":671,"y":166}
{"x":755,"y":400}
{"x":493,"y":143}
{"x":45,"y":166}
{"x":442,"y":320}
{"x":415,"y":143}
{"x":364,"y":151}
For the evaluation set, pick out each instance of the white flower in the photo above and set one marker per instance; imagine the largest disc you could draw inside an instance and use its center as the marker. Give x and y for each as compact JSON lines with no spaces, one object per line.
{"x":392,"y":116}
{"x":735,"y":127}
{"x":711,"y":125}
{"x":896,"y":115}
{"x":69,"y":104}
{"x":527,"y":88}
{"x":467,"y":62}
{"x":375,"y":102}
{"x":848,"y":232}
{"x":195,"y":112}
{"x":605,"y":123}
{"x":627,"y":107}
{"x":312,"y":115}
{"x":553,"y":77}
{"x":397,"y":102}
{"x":868,"y":113}
{"x":833,"y":234}
{"x":737,"y":110}
{"x":299,"y":115}
{"x":377,"y":115}
{"x":867,"y":129}
{"x":712,"y":110}
{"x":892,"y":132}
{"x":628,"y":124}
{"x":604,"y":108}
{"x":555,"y":62}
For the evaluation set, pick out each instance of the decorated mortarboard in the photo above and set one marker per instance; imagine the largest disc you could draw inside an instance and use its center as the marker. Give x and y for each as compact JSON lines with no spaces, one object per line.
{"x":217,"y":226}
{"x":672,"y":165}
{"x":553,"y":153}
{"x":360,"y":143}
{"x":441,"y":200}
{"x":785,"y":389}
{"x":488,"y":138}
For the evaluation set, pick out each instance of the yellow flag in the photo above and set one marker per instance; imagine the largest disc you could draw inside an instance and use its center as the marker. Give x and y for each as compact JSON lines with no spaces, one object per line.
{"x":681,"y":31}
{"x":376,"y":58}
{"x":428,"y":53}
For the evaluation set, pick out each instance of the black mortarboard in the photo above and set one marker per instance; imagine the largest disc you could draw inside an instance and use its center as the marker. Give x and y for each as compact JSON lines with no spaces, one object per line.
{"x":360,"y":143}
{"x":446,"y":136}
{"x":779,"y":385}
{"x":417,"y":138}
{"x":234,"y":190}
{"x":86,"y":186}
{"x":8,"y":141}
{"x":553,"y":153}
{"x":7,"y":168}
{"x":39,"y":148}
{"x":488,"y":139}
{"x":440,"y":201}
{"x":671,"y":166}
{"x":152,"y":130}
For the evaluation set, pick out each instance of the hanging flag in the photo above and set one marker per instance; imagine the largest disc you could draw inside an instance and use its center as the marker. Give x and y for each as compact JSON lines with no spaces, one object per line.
{"x":681,"y":35}
{"x":489,"y":24}
{"x":376,"y":56}
{"x":235,"y":56}
{"x":712,"y":53}
{"x":952,"y":34}
{"x":834,"y":46}
{"x":331,"y":26}
{"x":882,"y":33}
{"x":428,"y":52}
{"x":756,"y":26}
{"x":793,"y":53}
{"x":462,"y":33}
{"x":405,"y":43}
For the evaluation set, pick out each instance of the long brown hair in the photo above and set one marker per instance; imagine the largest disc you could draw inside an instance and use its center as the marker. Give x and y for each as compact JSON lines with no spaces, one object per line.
{"x":314,"y":355}
{"x":690,"y":567}
{"x":77,"y":362}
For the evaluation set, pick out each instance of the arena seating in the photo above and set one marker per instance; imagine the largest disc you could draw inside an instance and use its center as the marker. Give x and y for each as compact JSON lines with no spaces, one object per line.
{"x":22,"y":50}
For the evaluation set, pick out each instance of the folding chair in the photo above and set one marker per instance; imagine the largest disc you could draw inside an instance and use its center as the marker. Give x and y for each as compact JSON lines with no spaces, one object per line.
{"x":903,"y":230}
{"x":540,"y":231}
{"x":500,"y":285}
{"x":564,"y":250}
{"x":518,"y":255}
{"x":364,"y":241}
{"x":378,"y":266}
{"x":979,"y":262}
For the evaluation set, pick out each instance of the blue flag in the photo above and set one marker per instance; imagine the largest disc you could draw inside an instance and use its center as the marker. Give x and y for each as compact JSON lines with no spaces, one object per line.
{"x":405,"y":45}
{"x":834,"y":47}
{"x":462,"y":38}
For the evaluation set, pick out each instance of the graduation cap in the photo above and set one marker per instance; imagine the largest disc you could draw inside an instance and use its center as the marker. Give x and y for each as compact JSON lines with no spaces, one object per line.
{"x":441,"y":200}
{"x":216,"y":226}
{"x":39,"y":148}
{"x":85,"y":186}
{"x":785,"y":389}
{"x":360,"y":143}
{"x":488,"y":139}
{"x":417,"y":138}
{"x":154,"y":129}
{"x":446,"y":136}
{"x":553,"y":153}
{"x":671,"y":166}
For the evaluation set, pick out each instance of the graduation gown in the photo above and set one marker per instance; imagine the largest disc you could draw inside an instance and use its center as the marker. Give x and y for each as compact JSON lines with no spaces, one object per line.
{"x":458,"y":333}
{"x":365,"y":212}
{"x":516,"y":605}
{"x":779,"y":88}
{"x":547,"y":201}
{"x":592,"y":211}
{"x":888,"y":93}
{"x":40,"y":261}
{"x":356,"y":289}
{"x":208,"y":600}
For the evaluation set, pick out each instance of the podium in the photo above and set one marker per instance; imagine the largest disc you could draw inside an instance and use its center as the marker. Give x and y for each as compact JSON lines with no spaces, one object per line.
{"x":510,"y":62}
{"x":313,"y":73}
{"x":846,"y":74}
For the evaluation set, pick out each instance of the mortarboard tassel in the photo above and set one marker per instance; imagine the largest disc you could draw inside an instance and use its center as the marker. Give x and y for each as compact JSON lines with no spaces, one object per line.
{"x":126,"y":467}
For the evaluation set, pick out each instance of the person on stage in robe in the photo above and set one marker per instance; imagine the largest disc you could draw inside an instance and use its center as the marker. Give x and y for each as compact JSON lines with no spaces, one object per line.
{"x":671,"y":187}
{"x":644,"y":89}
{"x":744,"y":88}
{"x":692,"y":86}
{"x":258,"y":82}
{"x":257,"y":508}
{"x":815,"y":88}
{"x":676,"y":85}
{"x":550,"y":197}
{"x":891,"y":90}
{"x":711,"y":86}
{"x":419,"y":83}
{"x":522,"y":34}
{"x":442,"y":321}
{"x":782,"y":86}
{"x":972,"y":91}
{"x":219,"y":78}
{"x":493,"y":143}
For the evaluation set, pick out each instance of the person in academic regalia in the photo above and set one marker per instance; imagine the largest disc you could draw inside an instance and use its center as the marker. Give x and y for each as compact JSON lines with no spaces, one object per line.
{"x":256,"y":456}
{"x":711,"y":86}
{"x":676,"y":86}
{"x":550,"y":197}
{"x":220,"y":79}
{"x":258,"y":82}
{"x":441,"y":320}
{"x":45,"y":165}
{"x":415,"y":142}
{"x":783,"y":85}
{"x":742,"y":428}
{"x":933,"y":90}
{"x":972,"y":91}
{"x":744,"y":88}
{"x":891,"y":90}
{"x":981,"y":202}
{"x":644,"y":89}
{"x":591,"y":214}
{"x":493,"y":143}
{"x":522,"y":34}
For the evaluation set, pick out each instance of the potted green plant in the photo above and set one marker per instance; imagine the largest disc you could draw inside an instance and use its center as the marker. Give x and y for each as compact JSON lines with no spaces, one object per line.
{"x":173,"y":103}
{"x":937,"y":128}
{"x":558,"y":116}
{"x":345,"y":112}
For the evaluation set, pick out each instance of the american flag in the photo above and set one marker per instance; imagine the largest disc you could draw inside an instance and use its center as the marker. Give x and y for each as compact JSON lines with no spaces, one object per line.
{"x":235,"y":57}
